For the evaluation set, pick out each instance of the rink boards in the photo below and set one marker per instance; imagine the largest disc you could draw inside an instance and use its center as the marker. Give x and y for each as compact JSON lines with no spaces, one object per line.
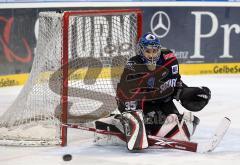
{"x":108,"y":73}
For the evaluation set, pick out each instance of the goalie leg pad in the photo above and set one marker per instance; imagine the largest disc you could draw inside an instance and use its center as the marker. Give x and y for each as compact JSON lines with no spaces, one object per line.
{"x":107,"y":140}
{"x":111,"y":123}
{"x":169,"y":129}
{"x":179,"y":128}
{"x":189,"y":122}
{"x":135,"y":130}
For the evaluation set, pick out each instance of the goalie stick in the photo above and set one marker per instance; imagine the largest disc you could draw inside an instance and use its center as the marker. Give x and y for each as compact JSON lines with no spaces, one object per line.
{"x":159,"y":142}
{"x":217,"y":137}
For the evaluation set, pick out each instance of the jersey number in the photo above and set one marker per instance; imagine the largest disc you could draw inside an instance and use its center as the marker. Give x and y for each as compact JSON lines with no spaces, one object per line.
{"x":130,"y":105}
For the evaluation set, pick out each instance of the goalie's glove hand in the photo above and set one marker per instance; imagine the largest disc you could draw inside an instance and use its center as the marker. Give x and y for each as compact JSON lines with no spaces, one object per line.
{"x":195,"y":98}
{"x":206,"y":93}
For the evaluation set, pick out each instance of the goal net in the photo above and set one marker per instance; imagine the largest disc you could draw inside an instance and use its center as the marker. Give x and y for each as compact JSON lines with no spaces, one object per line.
{"x":79,"y":59}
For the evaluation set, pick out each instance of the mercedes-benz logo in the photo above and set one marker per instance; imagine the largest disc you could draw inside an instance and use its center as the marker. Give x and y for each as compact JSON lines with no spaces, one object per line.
{"x":160,"y":24}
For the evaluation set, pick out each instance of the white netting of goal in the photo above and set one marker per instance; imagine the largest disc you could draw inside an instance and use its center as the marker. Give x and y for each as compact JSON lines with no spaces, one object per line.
{"x":98,"y":47}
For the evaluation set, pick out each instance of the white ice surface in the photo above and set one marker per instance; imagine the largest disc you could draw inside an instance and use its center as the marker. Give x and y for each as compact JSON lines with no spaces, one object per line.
{"x":225,"y":102}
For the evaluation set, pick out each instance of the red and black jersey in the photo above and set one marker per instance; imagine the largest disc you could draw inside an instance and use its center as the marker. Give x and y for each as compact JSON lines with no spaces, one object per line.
{"x":138,"y":83}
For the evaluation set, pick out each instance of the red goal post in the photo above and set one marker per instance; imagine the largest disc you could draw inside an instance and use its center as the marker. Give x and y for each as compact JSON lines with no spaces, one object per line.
{"x":66,"y":16}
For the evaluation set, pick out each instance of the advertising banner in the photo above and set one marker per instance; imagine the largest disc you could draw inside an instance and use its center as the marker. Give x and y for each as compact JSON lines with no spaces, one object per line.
{"x":197,"y":35}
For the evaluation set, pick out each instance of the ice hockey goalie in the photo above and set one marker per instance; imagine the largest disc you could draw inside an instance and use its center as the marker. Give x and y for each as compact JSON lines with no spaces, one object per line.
{"x":149,"y":84}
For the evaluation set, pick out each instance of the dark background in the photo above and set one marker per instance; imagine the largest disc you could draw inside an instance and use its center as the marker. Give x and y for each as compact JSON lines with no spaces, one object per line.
{"x":18,"y":41}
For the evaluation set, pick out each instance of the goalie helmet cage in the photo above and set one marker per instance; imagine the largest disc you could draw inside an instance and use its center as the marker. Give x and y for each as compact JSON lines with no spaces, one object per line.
{"x":74,"y":74}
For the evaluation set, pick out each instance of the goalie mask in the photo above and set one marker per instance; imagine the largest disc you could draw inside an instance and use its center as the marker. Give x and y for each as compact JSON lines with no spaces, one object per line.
{"x":149,"y":49}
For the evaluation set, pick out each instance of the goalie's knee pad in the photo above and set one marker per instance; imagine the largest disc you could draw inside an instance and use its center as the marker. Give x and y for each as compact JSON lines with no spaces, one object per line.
{"x":180,"y":128}
{"x":135,"y":131}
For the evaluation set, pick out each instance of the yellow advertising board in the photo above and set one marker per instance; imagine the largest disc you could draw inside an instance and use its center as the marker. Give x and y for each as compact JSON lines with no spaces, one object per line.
{"x":185,"y":69}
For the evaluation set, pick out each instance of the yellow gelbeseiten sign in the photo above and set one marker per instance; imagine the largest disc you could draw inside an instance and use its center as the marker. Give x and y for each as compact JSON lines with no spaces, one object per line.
{"x":185,"y":69}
